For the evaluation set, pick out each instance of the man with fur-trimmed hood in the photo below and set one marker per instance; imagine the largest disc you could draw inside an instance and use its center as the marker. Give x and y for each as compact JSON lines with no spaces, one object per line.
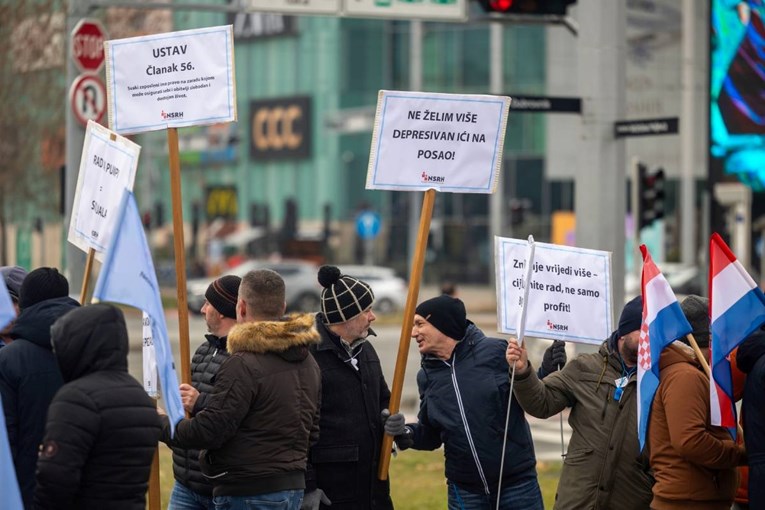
{"x":263,"y":412}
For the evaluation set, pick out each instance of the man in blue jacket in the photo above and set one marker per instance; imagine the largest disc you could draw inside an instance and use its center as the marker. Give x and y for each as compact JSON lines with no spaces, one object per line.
{"x":464,"y":388}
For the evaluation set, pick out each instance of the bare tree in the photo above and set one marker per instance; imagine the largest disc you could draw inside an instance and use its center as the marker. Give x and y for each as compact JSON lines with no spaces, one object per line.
{"x":33,"y":95}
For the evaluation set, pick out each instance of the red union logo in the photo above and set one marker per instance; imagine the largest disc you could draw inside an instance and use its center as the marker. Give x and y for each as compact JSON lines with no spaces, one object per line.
{"x":87,"y":45}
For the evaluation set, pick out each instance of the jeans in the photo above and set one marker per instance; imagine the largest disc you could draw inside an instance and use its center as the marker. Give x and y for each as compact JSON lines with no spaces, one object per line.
{"x":183,"y":498}
{"x":282,"y":500}
{"x":521,"y":496}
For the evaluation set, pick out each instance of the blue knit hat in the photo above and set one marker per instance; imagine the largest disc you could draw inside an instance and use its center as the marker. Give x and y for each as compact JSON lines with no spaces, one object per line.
{"x":631,"y":317}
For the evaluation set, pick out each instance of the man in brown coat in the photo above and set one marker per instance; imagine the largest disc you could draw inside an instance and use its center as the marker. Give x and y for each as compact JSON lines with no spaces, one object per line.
{"x":693,"y":462}
{"x":263,"y":411}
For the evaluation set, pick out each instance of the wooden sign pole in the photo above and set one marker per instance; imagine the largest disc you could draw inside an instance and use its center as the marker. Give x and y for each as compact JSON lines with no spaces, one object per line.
{"x":86,"y":277}
{"x":155,"y":490}
{"x":418,"y":260}
{"x":180,"y":254}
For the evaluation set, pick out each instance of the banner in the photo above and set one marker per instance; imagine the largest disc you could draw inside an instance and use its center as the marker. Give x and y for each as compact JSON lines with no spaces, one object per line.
{"x":447,"y":142}
{"x":107,"y":167}
{"x":174,"y":79}
{"x":150,"y":374}
{"x":569,"y":295}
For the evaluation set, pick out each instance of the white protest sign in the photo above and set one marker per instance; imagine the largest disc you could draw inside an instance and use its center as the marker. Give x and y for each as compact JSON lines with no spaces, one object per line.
{"x":447,"y":142}
{"x":569,"y":294}
{"x":108,"y":166}
{"x":170,"y":80}
{"x":150,"y":375}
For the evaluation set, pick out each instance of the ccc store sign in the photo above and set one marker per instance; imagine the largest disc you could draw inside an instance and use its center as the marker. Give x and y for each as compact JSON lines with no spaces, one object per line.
{"x":280,"y":128}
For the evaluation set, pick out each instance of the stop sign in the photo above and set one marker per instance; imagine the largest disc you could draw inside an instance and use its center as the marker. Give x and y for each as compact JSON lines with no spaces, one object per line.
{"x":88,"y":45}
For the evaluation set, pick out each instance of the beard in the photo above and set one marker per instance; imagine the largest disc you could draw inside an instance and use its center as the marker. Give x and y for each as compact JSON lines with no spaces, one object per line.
{"x":629,"y":352}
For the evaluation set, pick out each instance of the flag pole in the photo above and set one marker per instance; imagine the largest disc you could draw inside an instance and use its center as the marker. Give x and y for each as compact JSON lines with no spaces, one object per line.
{"x":86,"y":277}
{"x":418,"y":260}
{"x":699,"y":355}
{"x":155,"y":491}
{"x":180,"y":254}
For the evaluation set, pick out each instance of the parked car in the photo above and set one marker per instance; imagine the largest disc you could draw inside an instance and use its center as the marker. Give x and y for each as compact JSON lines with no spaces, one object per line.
{"x":303,"y":291}
{"x":390,"y":290}
{"x":683,"y":280}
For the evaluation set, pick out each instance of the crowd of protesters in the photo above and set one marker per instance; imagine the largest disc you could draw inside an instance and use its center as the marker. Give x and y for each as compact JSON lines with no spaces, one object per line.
{"x":290,"y":411}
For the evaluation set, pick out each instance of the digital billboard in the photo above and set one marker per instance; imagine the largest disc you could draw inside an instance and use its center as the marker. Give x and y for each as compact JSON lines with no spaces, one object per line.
{"x":737,"y":91}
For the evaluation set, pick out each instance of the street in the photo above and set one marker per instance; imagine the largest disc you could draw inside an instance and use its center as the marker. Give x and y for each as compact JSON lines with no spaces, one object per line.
{"x":546,"y":433}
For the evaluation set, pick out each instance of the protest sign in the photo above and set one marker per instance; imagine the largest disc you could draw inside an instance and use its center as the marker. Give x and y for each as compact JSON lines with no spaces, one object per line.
{"x":150,"y":374}
{"x":447,"y":142}
{"x":174,"y":79}
{"x":108,"y":167}
{"x":569,"y":294}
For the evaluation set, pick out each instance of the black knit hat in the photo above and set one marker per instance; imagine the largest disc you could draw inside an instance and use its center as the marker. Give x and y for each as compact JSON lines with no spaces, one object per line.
{"x":344,"y":297}
{"x":41,"y":284}
{"x":696,"y":310}
{"x":12,"y":277}
{"x":632,"y":317}
{"x":446,"y":313}
{"x":222,"y":295}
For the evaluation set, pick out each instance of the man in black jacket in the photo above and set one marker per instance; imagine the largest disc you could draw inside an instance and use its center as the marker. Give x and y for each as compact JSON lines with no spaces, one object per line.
{"x":343,"y":464}
{"x":263,"y":411}
{"x":29,"y":374}
{"x":192,"y":491}
{"x":750,"y":358}
{"x":12,"y":277}
{"x":102,"y":427}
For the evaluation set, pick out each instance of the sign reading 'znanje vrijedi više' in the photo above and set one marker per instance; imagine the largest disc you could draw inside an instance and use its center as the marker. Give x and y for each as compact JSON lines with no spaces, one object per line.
{"x":174,"y":79}
{"x":569,"y":295}
{"x":447,"y":142}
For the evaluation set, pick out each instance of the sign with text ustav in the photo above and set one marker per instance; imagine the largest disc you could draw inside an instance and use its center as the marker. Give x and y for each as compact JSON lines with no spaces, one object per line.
{"x":448,"y":142}
{"x":108,"y":166}
{"x":570,"y":291}
{"x":174,"y":79}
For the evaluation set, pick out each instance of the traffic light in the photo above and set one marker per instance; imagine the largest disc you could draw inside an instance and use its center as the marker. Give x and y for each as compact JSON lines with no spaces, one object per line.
{"x":650,"y":196}
{"x":556,"y":7}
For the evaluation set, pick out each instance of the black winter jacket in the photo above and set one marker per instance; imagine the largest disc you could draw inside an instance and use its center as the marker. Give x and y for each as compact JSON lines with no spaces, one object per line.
{"x":102,"y":428}
{"x":29,"y":377}
{"x":471,"y":429}
{"x":344,"y":461}
{"x":263,"y":411}
{"x":204,"y":366}
{"x":750,"y":358}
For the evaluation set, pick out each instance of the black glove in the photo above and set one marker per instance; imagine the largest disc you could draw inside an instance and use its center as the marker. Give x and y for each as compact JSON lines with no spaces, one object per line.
{"x":555,"y":357}
{"x":312,"y":500}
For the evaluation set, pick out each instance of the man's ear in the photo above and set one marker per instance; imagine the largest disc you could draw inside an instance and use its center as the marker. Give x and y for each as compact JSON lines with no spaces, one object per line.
{"x":284,"y":308}
{"x":241,"y":309}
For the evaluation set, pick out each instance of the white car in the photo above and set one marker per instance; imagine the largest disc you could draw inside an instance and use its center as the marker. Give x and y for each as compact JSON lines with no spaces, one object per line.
{"x":303,"y":292}
{"x":390,"y":290}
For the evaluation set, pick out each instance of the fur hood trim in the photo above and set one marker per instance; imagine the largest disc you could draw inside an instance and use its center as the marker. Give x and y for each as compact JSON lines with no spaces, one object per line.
{"x":296,"y":330}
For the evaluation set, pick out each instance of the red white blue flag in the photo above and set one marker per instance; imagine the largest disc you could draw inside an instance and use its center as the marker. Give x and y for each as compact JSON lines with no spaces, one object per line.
{"x":737,"y":308}
{"x":663,"y":323}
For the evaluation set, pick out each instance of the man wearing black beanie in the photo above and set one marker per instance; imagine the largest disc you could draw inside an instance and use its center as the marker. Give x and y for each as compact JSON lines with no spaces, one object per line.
{"x":29,"y":373}
{"x":464,"y":392}
{"x":604,"y":467}
{"x":192,"y":490}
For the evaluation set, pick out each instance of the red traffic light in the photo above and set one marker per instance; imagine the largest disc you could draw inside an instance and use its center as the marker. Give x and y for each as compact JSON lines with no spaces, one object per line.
{"x":500,"y":5}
